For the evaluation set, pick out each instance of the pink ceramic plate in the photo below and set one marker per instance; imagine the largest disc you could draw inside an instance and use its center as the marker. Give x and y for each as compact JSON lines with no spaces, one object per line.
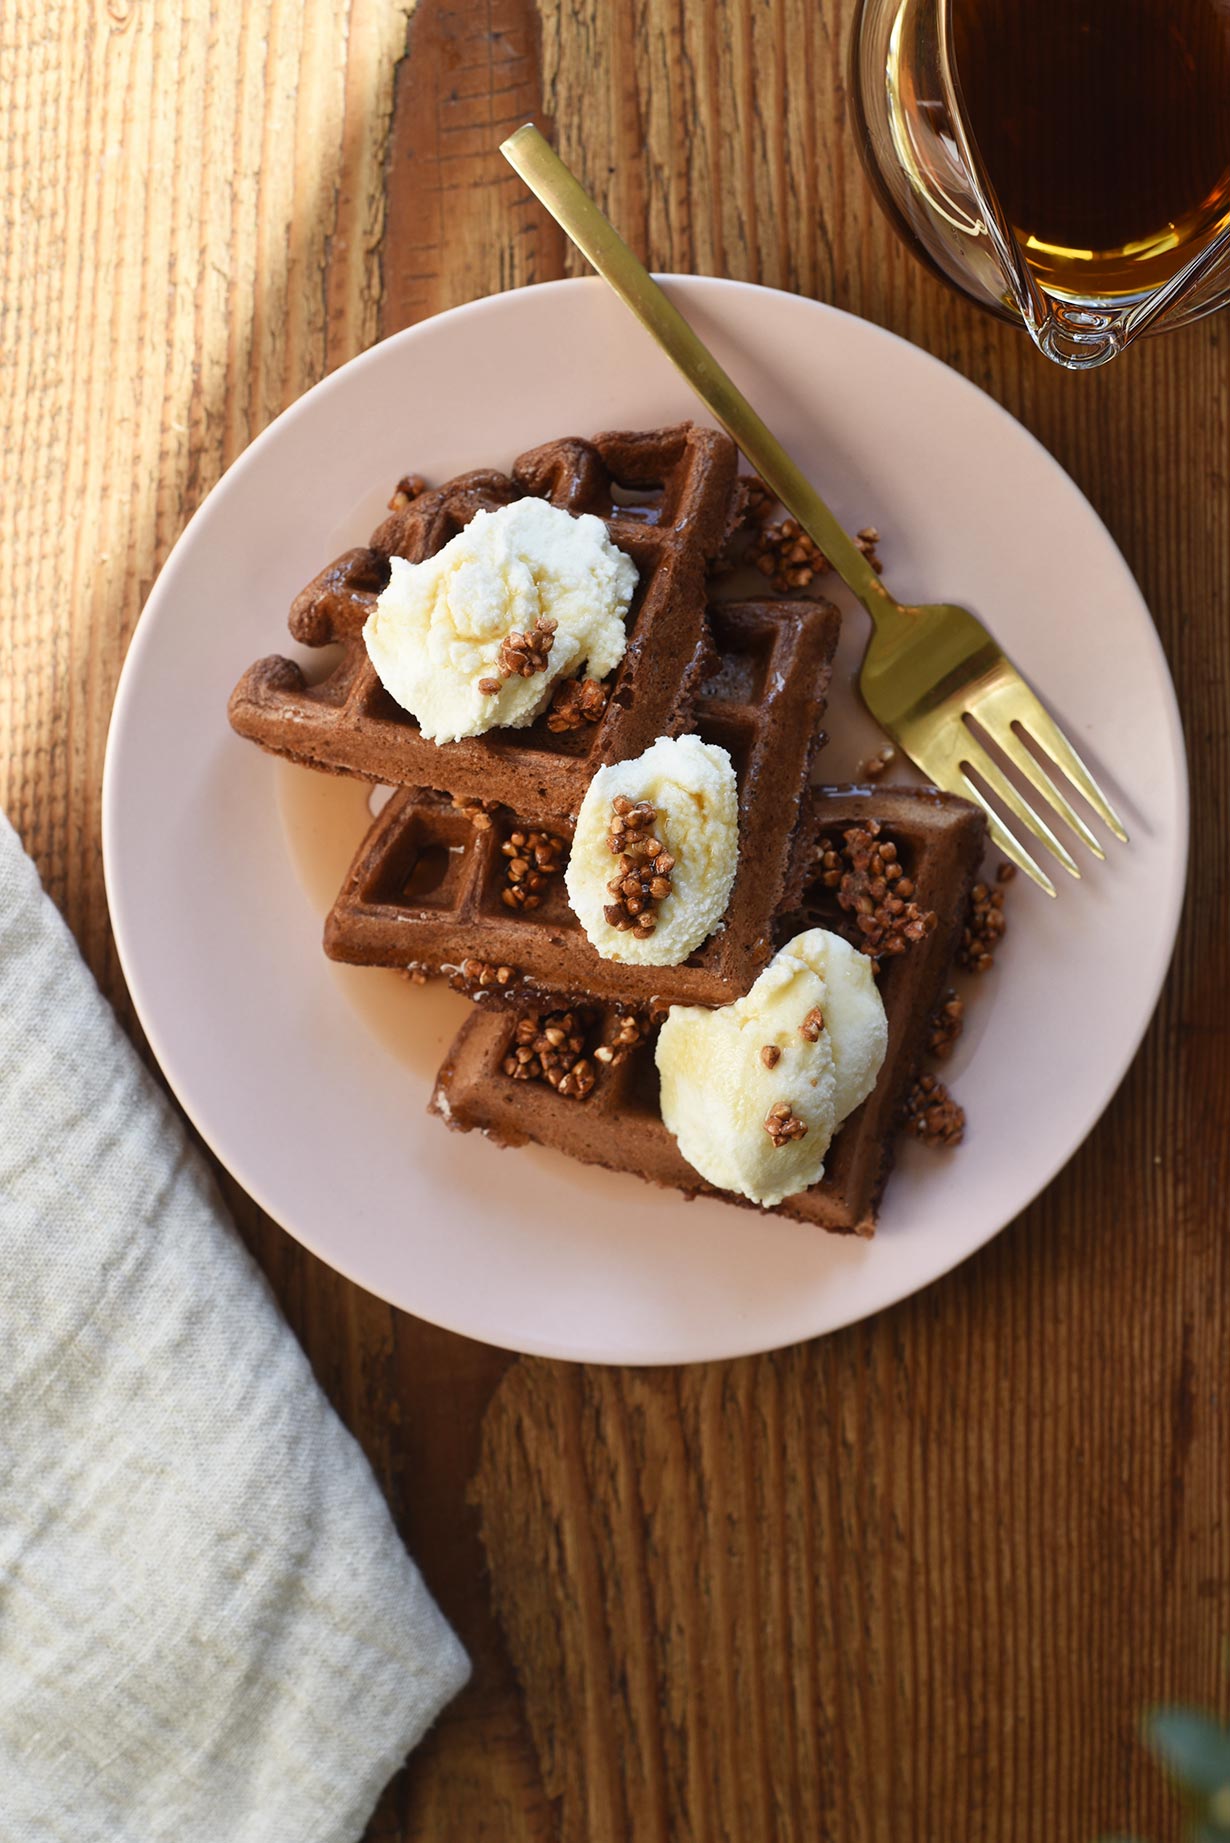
{"x":310,"y":1080}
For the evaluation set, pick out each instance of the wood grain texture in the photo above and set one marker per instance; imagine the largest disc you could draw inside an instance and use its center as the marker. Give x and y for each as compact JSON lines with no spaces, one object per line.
{"x":194,"y":209}
{"x":918,"y":1579}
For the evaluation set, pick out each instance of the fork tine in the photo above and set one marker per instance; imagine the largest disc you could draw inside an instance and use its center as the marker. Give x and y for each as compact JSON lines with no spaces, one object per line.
{"x":1007,"y":740}
{"x":1005,"y":841}
{"x":954,"y":781}
{"x":970,"y":753}
{"x":1033,"y":715}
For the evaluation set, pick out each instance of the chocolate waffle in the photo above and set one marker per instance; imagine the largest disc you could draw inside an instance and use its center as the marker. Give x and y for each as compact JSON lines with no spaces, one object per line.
{"x":603,"y":1108}
{"x":433,"y":888}
{"x":668,"y":498}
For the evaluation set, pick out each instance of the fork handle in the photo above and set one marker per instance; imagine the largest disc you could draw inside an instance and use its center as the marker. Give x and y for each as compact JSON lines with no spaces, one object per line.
{"x":575,"y":211}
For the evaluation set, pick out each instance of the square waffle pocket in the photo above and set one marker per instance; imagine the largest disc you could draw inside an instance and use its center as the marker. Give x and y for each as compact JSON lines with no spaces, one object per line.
{"x":584,"y":1081}
{"x":480,"y":895}
{"x":669,"y":499}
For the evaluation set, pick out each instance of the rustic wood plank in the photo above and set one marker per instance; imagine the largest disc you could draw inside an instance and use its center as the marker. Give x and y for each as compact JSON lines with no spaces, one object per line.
{"x":918,"y":1580}
{"x":458,"y":227}
{"x":182,"y":178}
{"x":228,"y":256}
{"x":855,"y":1591}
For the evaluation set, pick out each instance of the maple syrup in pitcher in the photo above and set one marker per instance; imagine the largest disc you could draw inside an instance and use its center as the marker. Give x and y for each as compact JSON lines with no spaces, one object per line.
{"x":1063,"y":162}
{"x":1104,"y":129}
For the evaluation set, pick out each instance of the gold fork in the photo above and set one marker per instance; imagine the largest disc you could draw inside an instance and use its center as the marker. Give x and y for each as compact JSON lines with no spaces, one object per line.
{"x":930,"y":672}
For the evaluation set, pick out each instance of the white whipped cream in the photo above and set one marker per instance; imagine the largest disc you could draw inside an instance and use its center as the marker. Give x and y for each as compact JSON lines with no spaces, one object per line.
{"x":691,"y":786}
{"x":717,"y":1088}
{"x":437,"y":628}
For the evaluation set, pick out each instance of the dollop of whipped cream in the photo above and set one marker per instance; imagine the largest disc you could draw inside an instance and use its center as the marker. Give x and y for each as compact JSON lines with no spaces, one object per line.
{"x":690,"y":791}
{"x":755,"y":1091}
{"x":436,"y":633}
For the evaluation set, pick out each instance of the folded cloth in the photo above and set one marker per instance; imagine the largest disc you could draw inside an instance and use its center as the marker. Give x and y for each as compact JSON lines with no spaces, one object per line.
{"x":209,"y":1629}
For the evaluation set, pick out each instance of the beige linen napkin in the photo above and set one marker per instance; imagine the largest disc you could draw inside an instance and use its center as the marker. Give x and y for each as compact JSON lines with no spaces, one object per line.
{"x":209,"y":1630}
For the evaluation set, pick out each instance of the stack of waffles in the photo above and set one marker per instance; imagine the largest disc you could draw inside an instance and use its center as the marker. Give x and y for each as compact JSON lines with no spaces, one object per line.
{"x":461,"y":875}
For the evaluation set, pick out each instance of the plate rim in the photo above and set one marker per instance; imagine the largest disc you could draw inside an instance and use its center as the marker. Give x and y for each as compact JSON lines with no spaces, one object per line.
{"x":230,"y":482}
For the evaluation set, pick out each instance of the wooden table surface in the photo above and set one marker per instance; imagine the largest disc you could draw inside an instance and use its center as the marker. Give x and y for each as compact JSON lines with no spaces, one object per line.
{"x":916,"y":1580}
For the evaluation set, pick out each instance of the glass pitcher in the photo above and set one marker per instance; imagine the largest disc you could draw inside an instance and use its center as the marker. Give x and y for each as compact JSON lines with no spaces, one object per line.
{"x":1065,"y":163}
